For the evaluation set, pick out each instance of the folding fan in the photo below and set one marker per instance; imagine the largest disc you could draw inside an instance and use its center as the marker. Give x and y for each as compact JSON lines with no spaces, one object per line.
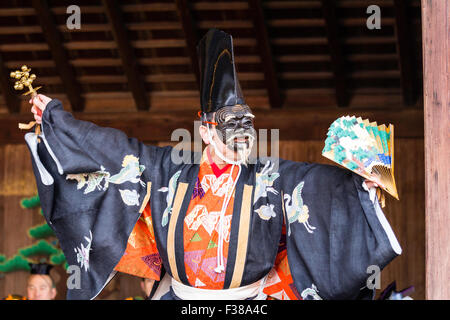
{"x":364,"y":148}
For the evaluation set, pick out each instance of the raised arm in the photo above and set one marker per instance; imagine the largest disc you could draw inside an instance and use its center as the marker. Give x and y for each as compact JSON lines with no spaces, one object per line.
{"x":81,"y":146}
{"x":93,"y":183}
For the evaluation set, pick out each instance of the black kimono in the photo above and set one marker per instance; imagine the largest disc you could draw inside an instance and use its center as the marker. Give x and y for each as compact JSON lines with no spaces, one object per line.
{"x":94,"y":182}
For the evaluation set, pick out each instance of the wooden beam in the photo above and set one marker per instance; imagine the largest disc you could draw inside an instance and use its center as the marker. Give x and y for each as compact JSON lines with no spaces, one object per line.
{"x":305,"y":41}
{"x":107,"y":45}
{"x":225,"y":24}
{"x":157,"y":78}
{"x":122,"y":101}
{"x":220,"y":5}
{"x":293,"y":124}
{"x":6,"y":86}
{"x":436,"y":69}
{"x":336,"y":54}
{"x":268,"y":63}
{"x":357,"y":22}
{"x":190,"y":33}
{"x":129,"y":61}
{"x":405,"y":52}
{"x":289,"y":23}
{"x":98,"y":27}
{"x":150,"y":7}
{"x":304,"y":4}
{"x":55,"y":44}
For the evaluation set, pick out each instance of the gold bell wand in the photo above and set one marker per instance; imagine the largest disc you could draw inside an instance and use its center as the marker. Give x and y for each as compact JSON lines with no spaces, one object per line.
{"x":25,"y":80}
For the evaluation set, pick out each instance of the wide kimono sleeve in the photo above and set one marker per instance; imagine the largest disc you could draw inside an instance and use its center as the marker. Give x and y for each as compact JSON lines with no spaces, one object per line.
{"x":337,"y":236}
{"x":93,"y":183}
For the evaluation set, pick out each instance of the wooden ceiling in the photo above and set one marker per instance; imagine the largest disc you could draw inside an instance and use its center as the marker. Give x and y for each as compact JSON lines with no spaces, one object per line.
{"x":140,"y":55}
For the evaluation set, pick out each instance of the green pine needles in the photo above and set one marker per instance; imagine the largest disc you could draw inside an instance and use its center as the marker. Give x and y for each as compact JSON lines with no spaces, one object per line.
{"x":42,"y":248}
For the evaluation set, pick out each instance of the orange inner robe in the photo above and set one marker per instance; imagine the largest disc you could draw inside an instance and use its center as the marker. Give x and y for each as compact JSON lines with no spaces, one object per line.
{"x":141,"y":257}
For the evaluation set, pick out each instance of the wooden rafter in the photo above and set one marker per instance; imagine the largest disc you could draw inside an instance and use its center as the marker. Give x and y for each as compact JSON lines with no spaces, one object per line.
{"x":405,"y":52}
{"x":293,"y":124}
{"x":336,"y":54}
{"x":267,"y":61}
{"x":55,"y":44}
{"x":190,"y":33}
{"x":11,"y":100}
{"x":97,"y":71}
{"x":126,"y":52}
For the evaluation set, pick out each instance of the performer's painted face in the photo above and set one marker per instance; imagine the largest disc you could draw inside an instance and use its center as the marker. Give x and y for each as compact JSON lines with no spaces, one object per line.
{"x":235,"y":129}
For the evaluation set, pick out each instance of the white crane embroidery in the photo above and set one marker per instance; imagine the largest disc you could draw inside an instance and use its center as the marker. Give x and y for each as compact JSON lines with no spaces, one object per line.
{"x":266,"y":212}
{"x":83,"y":252}
{"x":170,"y":194}
{"x":313,"y":292}
{"x":264,"y":184}
{"x":131,"y":172}
{"x":296,"y":210}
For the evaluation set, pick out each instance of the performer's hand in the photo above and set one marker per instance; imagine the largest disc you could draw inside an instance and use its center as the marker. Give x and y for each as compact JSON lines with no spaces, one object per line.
{"x":39,"y":103}
{"x":370,"y":184}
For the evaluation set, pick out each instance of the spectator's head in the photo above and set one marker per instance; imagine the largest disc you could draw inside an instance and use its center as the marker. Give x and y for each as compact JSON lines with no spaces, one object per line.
{"x":40,"y":285}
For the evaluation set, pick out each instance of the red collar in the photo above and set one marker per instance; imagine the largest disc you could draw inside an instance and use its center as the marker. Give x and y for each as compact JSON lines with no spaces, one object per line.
{"x":216,"y":170}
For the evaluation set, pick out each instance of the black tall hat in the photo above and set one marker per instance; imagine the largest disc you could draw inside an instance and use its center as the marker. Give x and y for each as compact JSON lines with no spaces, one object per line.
{"x":219,"y":85}
{"x":40,"y":268}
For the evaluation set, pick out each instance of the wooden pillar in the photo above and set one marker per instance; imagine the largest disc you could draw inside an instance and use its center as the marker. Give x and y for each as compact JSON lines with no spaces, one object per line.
{"x":436,"y":64}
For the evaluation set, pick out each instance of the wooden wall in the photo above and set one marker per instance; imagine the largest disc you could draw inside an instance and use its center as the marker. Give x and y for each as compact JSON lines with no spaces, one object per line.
{"x":406,"y":216}
{"x":436,"y":52}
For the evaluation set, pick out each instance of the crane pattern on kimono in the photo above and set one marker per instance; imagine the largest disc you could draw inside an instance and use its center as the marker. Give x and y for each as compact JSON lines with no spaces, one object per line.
{"x":131,"y":172}
{"x":170,"y":189}
{"x":296,"y":211}
{"x":311,"y":292}
{"x":82,"y":252}
{"x":263,"y":184}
